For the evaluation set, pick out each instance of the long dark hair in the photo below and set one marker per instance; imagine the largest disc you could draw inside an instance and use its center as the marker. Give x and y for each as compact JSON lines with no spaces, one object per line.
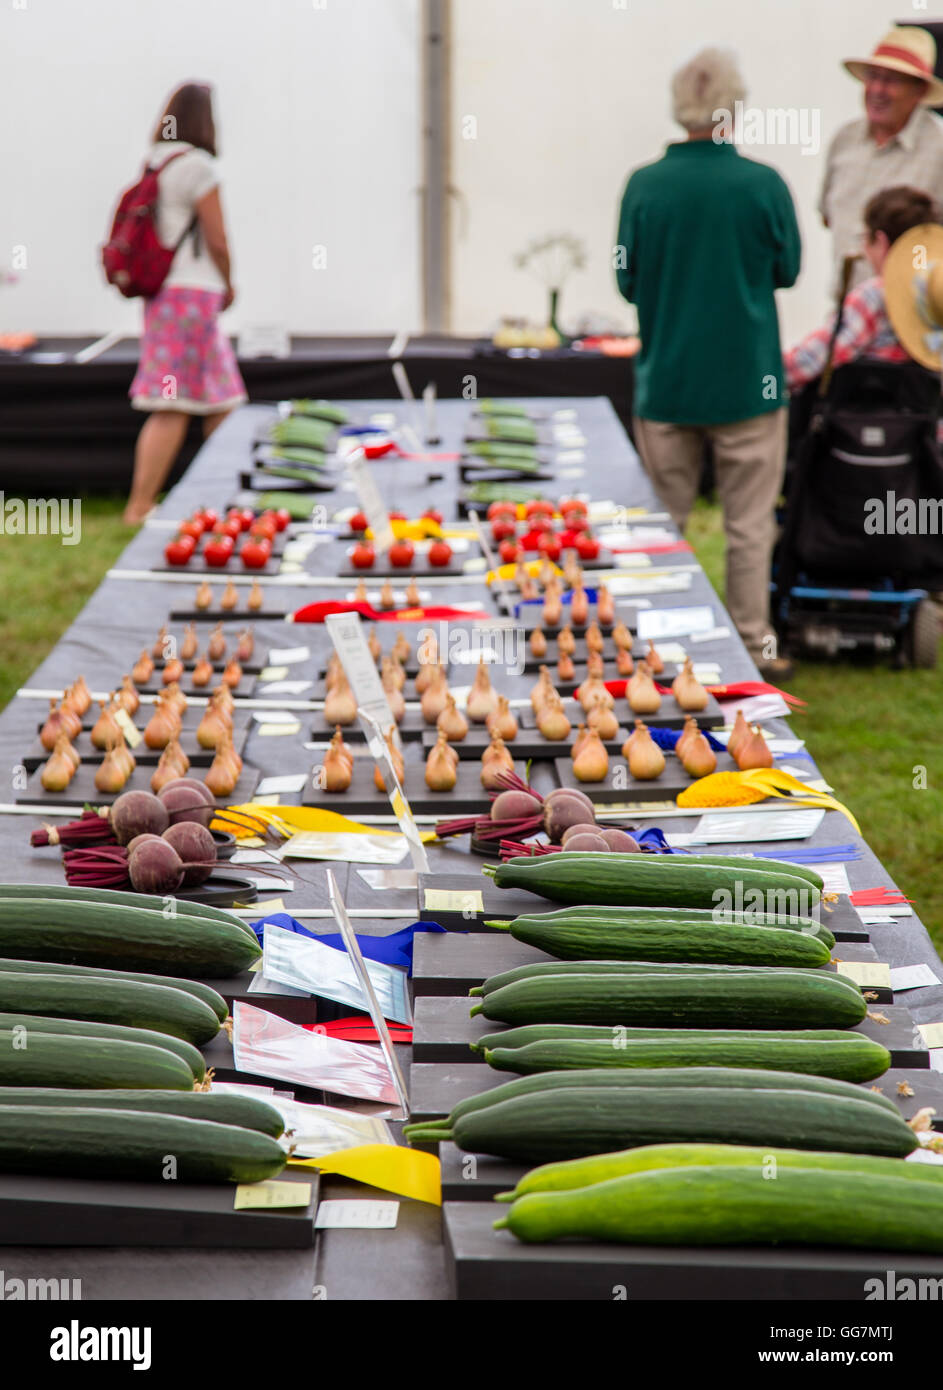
{"x":188,"y":116}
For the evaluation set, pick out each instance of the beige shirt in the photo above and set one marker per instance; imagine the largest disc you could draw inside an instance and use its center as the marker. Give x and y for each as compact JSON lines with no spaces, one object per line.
{"x":857,"y":168}
{"x":180,"y":187}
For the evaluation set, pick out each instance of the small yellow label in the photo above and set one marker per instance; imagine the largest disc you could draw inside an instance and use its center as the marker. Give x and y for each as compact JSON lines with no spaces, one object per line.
{"x":866,"y":972}
{"x":453,"y":900}
{"x":127,"y":727}
{"x":273,"y":730}
{"x":274,"y":673}
{"x":266,"y":909}
{"x":251,"y":842}
{"x":932,"y":1034}
{"x":271,"y":1194}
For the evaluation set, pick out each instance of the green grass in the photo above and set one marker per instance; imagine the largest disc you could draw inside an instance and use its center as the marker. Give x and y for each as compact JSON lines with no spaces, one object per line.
{"x":46,"y":584}
{"x":870,"y":729}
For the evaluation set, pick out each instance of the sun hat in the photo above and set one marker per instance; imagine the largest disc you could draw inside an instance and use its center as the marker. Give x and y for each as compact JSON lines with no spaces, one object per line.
{"x":909,"y":50}
{"x":913,"y":292}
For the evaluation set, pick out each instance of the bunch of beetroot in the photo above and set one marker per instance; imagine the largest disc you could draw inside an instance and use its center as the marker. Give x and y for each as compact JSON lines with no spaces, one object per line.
{"x":163,"y":842}
{"x":519,"y":811}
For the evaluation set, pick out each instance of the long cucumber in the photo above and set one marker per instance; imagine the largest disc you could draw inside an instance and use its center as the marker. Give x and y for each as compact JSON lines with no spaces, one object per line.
{"x":585,"y":1172}
{"x":708,"y":943}
{"x":222,"y":1107}
{"x":24,"y":1027}
{"x":586,"y":1032}
{"x":572,"y":1122}
{"x":167,"y":906}
{"x":537,"y":969}
{"x":66,"y":1060}
{"x":124,"y":1002}
{"x":738,"y":1206}
{"x":112,"y":1144}
{"x":789,"y":999}
{"x":734,"y":861}
{"x":195,"y":987}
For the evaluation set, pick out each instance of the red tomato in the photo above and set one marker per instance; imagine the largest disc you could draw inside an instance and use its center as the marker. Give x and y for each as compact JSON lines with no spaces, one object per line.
{"x":209,"y":518}
{"x":362,"y":556}
{"x":502,"y":509}
{"x":587,"y":547}
{"x":246,"y":518}
{"x":397,"y":516}
{"x":263,"y":528}
{"x":433,"y":514}
{"x":440,"y":553}
{"x":538,"y":507}
{"x":573,"y":504}
{"x":282,"y":518}
{"x":218,"y":549}
{"x":401,"y":554}
{"x":255,"y":554}
{"x":576,"y":521}
{"x":193,"y":528}
{"x":231,"y":527}
{"x":359,"y":522}
{"x":550,"y":545}
{"x":541,"y":523}
{"x":531,"y":540}
{"x":179,"y":550}
{"x":568,"y":539}
{"x":510,"y":552}
{"x":502,"y":528}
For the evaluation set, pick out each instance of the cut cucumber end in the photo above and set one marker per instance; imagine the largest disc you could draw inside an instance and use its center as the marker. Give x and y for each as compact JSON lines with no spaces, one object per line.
{"x":505,"y":1196}
{"x":502,"y":1225}
{"x":499,"y":925}
{"x":476,"y":989}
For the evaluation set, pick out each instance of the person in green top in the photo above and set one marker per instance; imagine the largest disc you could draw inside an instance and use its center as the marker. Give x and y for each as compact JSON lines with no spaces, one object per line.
{"x":705,"y":238}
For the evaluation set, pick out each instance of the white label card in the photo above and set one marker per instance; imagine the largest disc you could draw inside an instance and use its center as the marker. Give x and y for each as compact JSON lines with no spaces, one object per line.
{"x":675,"y":622}
{"x":346,"y":632}
{"x":352,"y":1215}
{"x":370,"y":500}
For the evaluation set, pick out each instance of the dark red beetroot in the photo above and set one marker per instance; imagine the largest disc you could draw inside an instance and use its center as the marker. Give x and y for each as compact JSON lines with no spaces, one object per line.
{"x":138,"y":813}
{"x":139,"y":839}
{"x":619,"y":841}
{"x":588,"y":840}
{"x":196,"y":848}
{"x":155,"y":867}
{"x":566,"y":807}
{"x":186,"y":799}
{"x":581,"y":828}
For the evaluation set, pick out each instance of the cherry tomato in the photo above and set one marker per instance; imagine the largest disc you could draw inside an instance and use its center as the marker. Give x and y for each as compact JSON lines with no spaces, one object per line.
{"x":401,"y":554}
{"x":576,"y":521}
{"x":359,"y":522}
{"x":397,"y":516}
{"x":282,"y":518}
{"x":218,"y":549}
{"x":573,"y":504}
{"x":433,"y":514}
{"x":263,"y":528}
{"x":440,"y":553}
{"x":538,"y":507}
{"x":550,"y":545}
{"x":362,"y":556}
{"x":502,"y":509}
{"x":541,"y":523}
{"x":502,"y":528}
{"x":193,"y":528}
{"x":255,"y":554}
{"x":246,"y":518}
{"x":510,"y":552}
{"x":231,"y":527}
{"x":179,"y":550}
{"x":587,"y":547}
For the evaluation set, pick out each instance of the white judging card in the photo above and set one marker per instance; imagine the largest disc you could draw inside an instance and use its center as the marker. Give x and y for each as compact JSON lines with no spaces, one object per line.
{"x":675,"y":622}
{"x":912,"y":977}
{"x":353,"y":1215}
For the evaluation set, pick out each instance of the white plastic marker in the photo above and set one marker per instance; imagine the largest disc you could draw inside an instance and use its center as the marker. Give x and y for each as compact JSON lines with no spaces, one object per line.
{"x":504,"y":589}
{"x":375,"y":715}
{"x":370,"y":500}
{"x":429,"y":402}
{"x":376,"y":1013}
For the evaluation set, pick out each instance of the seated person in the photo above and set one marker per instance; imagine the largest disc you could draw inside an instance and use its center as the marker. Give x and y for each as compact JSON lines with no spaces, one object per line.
{"x":865,"y":327}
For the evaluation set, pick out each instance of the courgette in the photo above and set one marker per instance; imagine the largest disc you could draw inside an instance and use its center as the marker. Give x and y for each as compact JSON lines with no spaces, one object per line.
{"x":125,"y":1002}
{"x":223,"y":1107}
{"x":844,"y":1055}
{"x":26,"y":1025}
{"x":625,"y":879}
{"x":132,"y":938}
{"x":195,"y":987}
{"x":116,"y":1144}
{"x":572,"y":1122}
{"x":788,"y":999}
{"x":739,"y":1206}
{"x":585,"y":1172}
{"x":538,"y":969}
{"x":662,"y":1077}
{"x":66,"y":1060}
{"x":584,"y":939}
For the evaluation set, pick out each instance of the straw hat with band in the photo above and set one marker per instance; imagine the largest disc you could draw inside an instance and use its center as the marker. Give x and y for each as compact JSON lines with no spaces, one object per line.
{"x":911,"y":51}
{"x":914,"y":297}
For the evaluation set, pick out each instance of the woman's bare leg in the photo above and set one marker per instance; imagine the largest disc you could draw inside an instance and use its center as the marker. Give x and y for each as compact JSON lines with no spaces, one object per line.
{"x":213,"y":422}
{"x":158,"y":445}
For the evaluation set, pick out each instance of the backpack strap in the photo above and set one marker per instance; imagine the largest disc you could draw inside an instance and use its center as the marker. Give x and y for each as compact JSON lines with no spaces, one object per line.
{"x":193,"y":226}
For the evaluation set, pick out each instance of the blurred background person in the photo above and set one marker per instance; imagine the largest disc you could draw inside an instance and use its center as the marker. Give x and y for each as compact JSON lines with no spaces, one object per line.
{"x":896,"y":142}
{"x":187,"y":365}
{"x":705,"y":237}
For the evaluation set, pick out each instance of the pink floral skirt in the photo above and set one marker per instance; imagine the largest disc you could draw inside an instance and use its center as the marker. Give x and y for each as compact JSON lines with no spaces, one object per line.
{"x":187,"y":362}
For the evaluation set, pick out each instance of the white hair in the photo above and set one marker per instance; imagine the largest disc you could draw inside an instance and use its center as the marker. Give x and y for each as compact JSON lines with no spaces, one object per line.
{"x":708,"y":84}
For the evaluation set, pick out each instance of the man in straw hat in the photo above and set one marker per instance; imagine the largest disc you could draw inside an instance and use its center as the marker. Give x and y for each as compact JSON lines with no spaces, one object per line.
{"x":896,"y":142}
{"x":913,"y":289}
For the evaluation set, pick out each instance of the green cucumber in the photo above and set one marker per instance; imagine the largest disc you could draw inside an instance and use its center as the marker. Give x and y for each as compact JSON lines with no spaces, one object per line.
{"x":846,"y":1056}
{"x":788,"y":999}
{"x":626,"y":879}
{"x":537,"y":969}
{"x":585,"y":1032}
{"x":97,"y":1000}
{"x":573,"y":1122}
{"x":45,"y":967}
{"x":710,"y":1077}
{"x":586,"y":1172}
{"x":223,"y":1107}
{"x":688,"y":918}
{"x":113,"y":897}
{"x":94,"y":1062}
{"x":82,"y":933}
{"x":734,"y":861}
{"x":739,"y":1206}
{"x":708,"y":943}
{"x":26,"y":1025}
{"x":116,"y":1144}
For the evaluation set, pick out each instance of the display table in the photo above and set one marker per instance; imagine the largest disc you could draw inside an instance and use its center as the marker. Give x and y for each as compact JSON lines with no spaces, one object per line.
{"x":122,"y":616}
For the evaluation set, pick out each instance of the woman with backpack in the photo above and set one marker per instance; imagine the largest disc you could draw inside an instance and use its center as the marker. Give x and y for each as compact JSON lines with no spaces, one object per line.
{"x":187,"y":365}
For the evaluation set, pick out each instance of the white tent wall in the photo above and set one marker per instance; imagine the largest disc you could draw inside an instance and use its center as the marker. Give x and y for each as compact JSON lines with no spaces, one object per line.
{"x":568,"y":96}
{"x":318,"y":113}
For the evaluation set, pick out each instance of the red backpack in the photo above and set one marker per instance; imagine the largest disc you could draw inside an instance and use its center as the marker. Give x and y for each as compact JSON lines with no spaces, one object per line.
{"x":136,"y":262}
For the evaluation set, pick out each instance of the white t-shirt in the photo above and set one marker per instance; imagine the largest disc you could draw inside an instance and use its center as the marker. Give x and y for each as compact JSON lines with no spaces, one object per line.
{"x":181,"y":186}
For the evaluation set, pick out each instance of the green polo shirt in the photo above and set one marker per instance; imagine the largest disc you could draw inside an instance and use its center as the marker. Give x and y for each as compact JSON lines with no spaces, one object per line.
{"x":705,"y":237}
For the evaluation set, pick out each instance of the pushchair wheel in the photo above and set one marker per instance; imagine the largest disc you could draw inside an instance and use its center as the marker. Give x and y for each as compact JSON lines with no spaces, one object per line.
{"x":923,"y":635}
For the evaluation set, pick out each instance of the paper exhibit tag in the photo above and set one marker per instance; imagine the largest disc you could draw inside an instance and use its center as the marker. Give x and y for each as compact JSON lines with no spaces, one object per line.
{"x":353,"y":1215}
{"x":304,"y":963}
{"x":271,"y":1195}
{"x":371,"y":502}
